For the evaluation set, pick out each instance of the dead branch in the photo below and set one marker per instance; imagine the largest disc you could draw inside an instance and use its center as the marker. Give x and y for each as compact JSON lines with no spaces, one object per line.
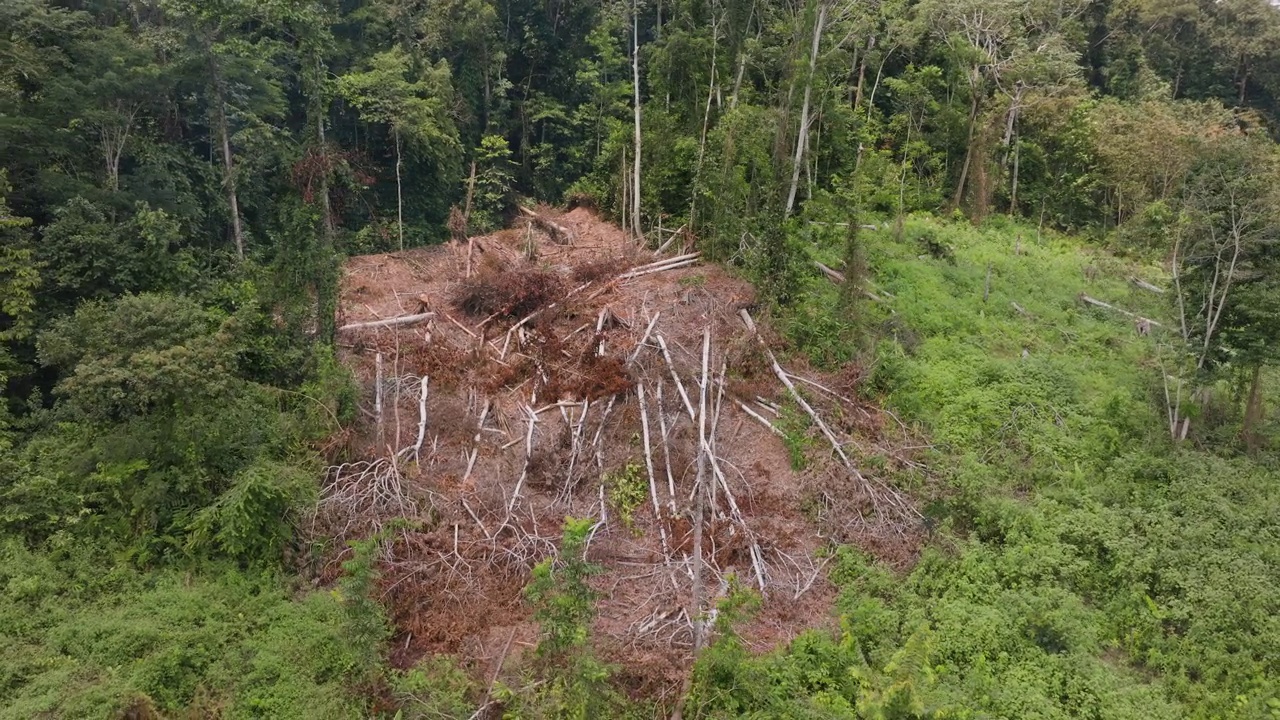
{"x":643,"y":339}
{"x":877,"y":490}
{"x":699,"y":492}
{"x":666,"y":452}
{"x":760,"y":418}
{"x":666,"y":354}
{"x":575,"y":449}
{"x":471,"y":461}
{"x":838,"y":277}
{"x":834,"y":275}
{"x":524,"y":471}
{"x":648,"y":463}
{"x":674,"y":234}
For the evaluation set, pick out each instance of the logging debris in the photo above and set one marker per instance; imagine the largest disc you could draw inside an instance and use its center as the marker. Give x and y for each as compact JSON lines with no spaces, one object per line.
{"x":530,"y":403}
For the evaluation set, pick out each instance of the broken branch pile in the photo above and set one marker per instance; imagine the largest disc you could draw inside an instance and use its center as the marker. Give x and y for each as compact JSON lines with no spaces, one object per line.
{"x":631,"y":398}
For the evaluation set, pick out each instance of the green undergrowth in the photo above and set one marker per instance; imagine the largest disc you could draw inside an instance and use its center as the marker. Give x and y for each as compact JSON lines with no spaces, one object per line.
{"x":81,"y":642}
{"x":1084,"y":566}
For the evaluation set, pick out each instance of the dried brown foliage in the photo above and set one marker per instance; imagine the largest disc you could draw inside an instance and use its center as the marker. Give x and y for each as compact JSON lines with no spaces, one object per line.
{"x":600,"y":269}
{"x":457,"y":224}
{"x":513,"y":293}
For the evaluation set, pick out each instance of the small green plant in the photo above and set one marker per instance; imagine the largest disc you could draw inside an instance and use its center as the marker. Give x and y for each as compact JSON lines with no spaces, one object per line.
{"x":365,"y":626}
{"x":693,"y":281}
{"x":795,"y":435}
{"x":563,"y":601}
{"x":627,"y":488}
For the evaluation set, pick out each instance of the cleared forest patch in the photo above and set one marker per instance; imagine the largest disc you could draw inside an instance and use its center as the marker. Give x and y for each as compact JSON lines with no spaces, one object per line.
{"x":581,"y":379}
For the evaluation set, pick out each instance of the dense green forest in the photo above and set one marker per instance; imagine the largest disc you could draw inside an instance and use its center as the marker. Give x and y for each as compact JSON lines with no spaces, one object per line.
{"x":182,"y":180}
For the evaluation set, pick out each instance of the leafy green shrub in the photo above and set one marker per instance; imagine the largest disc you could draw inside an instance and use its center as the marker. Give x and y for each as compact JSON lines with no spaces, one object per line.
{"x":84,"y":641}
{"x":628,"y":488}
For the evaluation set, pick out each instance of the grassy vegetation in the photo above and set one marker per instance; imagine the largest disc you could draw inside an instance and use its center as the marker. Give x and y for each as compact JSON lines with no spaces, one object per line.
{"x":1085,"y":567}
{"x":82,"y":642}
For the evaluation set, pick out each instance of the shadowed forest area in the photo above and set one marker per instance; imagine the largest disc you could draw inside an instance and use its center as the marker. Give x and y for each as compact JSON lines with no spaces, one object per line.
{"x":889,"y":359}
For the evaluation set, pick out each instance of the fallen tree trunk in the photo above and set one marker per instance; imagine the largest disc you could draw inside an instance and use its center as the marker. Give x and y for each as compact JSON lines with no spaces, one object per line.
{"x":1098,"y":303}
{"x":389,"y":322}
{"x":674,"y":263}
{"x":844,"y":224}
{"x":1146,"y":285}
{"x":837,"y":277}
{"x":558,"y":233}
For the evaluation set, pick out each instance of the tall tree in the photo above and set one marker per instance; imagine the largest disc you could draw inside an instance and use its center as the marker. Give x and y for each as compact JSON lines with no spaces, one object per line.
{"x":412,"y":102}
{"x":229,"y":47}
{"x":1226,"y":261}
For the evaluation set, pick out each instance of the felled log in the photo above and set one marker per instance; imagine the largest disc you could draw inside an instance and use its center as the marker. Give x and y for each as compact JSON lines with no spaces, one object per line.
{"x":1145,"y":285}
{"x":672,"y":263}
{"x":1142,"y":321}
{"x":843,"y":224}
{"x":558,"y":233}
{"x":389,"y":322}
{"x":837,"y":277}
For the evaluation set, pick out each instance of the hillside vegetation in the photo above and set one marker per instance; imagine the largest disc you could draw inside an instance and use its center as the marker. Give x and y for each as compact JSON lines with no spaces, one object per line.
{"x":1083,"y":567}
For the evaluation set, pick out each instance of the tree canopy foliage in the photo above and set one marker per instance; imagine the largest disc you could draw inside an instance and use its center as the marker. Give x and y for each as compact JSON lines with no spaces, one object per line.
{"x":181,"y":180}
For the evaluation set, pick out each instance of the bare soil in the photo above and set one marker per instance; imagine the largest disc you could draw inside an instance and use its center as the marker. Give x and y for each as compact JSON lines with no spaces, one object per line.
{"x":534,"y":364}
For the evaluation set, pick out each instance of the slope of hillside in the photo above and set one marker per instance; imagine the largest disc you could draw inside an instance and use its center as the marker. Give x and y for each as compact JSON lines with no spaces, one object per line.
{"x":1085,"y":566}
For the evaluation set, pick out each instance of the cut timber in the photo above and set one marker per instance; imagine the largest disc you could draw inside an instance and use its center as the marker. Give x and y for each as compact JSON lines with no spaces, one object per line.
{"x":878,"y":492}
{"x":1139,"y":282}
{"x":674,"y":235}
{"x":558,"y":233}
{"x":672,"y":263}
{"x":389,"y":322}
{"x":836,"y":445}
{"x":837,"y":277}
{"x":1098,"y":303}
{"x":844,"y":226}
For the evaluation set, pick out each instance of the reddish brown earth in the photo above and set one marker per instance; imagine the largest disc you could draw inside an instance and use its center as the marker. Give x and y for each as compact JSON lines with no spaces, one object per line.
{"x":452,"y":578}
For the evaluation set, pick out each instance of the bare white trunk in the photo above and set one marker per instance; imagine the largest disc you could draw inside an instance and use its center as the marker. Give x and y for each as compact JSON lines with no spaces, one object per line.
{"x":113,"y":137}
{"x":399,"y":192}
{"x":635,"y":85}
{"x":706,"y":121}
{"x":700,"y":494}
{"x":229,"y":179}
{"x":803,"y":136}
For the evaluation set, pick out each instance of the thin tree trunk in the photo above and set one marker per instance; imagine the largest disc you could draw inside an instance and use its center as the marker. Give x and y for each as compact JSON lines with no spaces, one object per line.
{"x":862,"y":78}
{"x":635,"y":84}
{"x":1013,"y":192}
{"x":968,"y":155}
{"x":113,"y":140}
{"x":229,"y":176}
{"x":737,"y":80}
{"x":700,"y":492}
{"x":706,"y":122}
{"x":803,"y":137}
{"x":471,"y":192}
{"x":1253,"y":412}
{"x":871,"y":100}
{"x":399,"y":191}
{"x":325,"y":205}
